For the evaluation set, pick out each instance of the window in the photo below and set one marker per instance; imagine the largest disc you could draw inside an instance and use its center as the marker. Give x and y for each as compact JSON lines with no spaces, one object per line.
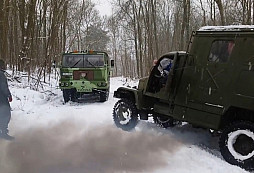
{"x":73,"y":61}
{"x":83,"y":61}
{"x":221,"y":51}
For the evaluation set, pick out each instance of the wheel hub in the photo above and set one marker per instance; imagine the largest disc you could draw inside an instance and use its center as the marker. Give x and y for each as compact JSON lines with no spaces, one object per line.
{"x":124,"y":114}
{"x":240,"y":144}
{"x":244,"y":145}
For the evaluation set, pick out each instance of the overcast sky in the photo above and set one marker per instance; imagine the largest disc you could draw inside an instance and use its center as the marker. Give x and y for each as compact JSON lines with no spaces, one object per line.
{"x":103,"y":6}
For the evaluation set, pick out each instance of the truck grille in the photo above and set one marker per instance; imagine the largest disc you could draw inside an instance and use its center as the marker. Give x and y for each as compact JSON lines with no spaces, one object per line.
{"x":89,"y":75}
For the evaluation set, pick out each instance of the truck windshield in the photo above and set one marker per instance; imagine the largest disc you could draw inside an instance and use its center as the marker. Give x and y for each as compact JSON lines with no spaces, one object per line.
{"x":83,"y":61}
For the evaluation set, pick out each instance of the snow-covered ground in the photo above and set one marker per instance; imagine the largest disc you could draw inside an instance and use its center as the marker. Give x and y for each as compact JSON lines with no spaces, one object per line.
{"x":52,"y":137}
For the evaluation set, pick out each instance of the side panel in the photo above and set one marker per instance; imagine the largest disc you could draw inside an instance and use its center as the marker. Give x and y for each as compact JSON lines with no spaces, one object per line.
{"x":199,"y":93}
{"x":188,"y":91}
{"x":243,"y":83}
{"x":208,"y":88}
{"x":209,"y":120}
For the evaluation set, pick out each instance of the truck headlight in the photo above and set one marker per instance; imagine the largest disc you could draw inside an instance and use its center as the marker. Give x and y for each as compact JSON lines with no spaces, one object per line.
{"x":67,"y":74}
{"x":101,"y":84}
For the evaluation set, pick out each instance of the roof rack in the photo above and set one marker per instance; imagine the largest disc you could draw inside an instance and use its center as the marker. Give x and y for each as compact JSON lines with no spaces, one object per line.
{"x":228,"y":28}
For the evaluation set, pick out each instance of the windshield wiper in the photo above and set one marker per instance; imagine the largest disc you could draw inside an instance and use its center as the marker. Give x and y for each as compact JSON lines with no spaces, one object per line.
{"x":76,"y":63}
{"x":90,"y":63}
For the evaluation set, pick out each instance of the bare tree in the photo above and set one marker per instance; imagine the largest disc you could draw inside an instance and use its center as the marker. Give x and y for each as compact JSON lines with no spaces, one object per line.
{"x":33,"y":33}
{"x":220,"y":6}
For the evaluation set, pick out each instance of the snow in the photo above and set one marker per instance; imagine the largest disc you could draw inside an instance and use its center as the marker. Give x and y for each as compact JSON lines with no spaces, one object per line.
{"x":226,"y":28}
{"x":53,"y":137}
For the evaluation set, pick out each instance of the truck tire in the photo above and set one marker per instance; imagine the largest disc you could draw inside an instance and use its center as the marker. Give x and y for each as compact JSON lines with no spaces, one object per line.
{"x":73,"y":94}
{"x":69,"y":94}
{"x":66,"y":95}
{"x":237,"y":144}
{"x":104,"y":96}
{"x":125,"y":114}
{"x":164,"y":121}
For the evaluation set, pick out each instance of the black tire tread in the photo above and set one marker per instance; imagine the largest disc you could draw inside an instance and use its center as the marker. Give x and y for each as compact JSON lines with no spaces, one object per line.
{"x":104,"y":97}
{"x":247,"y":164}
{"x":134,"y":117}
{"x":66,"y":95}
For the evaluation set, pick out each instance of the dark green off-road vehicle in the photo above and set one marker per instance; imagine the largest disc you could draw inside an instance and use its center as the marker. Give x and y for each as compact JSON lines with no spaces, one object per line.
{"x":209,"y":86}
{"x":85,"y":74}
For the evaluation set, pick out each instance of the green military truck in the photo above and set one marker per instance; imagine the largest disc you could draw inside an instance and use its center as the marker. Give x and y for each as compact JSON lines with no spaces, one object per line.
{"x":209,"y":86}
{"x":85,"y":75}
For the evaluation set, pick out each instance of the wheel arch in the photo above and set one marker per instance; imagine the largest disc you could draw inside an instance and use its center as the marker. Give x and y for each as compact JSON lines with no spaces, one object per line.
{"x":234,"y":114}
{"x":127,"y":93}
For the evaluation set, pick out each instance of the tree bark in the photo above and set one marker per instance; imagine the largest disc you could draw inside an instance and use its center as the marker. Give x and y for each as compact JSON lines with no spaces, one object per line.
{"x":221,"y":10}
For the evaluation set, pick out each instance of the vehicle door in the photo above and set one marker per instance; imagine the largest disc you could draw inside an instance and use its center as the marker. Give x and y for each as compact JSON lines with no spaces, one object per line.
{"x":216,"y":75}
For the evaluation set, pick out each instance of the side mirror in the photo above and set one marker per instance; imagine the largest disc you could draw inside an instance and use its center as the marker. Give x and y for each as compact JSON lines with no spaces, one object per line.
{"x":112,"y":63}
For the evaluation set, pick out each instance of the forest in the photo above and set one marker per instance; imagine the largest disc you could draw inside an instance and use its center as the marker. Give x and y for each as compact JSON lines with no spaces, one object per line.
{"x":35,"y":33}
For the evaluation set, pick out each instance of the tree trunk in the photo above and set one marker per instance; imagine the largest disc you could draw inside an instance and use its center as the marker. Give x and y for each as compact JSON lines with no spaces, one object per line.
{"x":221,"y":10}
{"x":184,"y":21}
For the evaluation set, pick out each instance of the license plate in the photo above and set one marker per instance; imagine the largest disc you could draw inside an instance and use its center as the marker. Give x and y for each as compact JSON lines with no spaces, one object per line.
{"x":84,"y":90}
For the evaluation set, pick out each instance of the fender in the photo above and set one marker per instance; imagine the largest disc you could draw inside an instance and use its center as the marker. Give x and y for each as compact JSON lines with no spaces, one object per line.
{"x":129,"y":93}
{"x":126,"y":92}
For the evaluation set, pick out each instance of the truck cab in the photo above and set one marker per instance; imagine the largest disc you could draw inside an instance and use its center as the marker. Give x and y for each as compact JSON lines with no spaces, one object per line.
{"x":211,"y":85}
{"x":85,"y":74}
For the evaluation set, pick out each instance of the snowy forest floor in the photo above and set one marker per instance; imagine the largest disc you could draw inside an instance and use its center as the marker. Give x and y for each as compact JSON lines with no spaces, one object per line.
{"x":53,"y":137}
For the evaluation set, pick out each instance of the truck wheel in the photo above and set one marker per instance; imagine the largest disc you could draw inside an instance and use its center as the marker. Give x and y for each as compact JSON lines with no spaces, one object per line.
{"x":66,"y":95}
{"x":237,"y":144}
{"x":73,"y":94}
{"x":104,"y":96}
{"x":125,"y":114}
{"x":69,"y":94}
{"x":163,"y":121}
